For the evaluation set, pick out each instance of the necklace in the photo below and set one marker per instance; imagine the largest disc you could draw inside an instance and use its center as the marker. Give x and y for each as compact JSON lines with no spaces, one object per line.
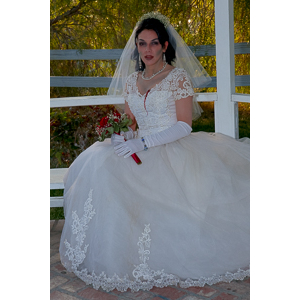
{"x":148,"y":78}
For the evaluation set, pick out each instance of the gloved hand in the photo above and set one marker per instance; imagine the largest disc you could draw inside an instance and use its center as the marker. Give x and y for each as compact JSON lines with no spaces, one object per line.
{"x":174,"y":133}
{"x":116,"y":139}
{"x":128,"y":135}
{"x":129,"y":147}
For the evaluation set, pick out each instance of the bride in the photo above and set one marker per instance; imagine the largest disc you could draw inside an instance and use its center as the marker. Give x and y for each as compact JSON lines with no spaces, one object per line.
{"x":182,"y":216}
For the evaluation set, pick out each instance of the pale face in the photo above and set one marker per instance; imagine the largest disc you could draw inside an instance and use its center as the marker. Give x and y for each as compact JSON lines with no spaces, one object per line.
{"x":149,"y":47}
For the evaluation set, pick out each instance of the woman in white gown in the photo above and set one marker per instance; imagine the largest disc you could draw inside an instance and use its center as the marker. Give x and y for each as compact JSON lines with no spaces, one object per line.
{"x":182,"y":216}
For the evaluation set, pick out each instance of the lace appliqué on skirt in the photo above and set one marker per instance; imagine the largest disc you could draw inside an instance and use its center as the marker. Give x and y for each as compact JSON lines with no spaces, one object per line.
{"x":144,"y":277}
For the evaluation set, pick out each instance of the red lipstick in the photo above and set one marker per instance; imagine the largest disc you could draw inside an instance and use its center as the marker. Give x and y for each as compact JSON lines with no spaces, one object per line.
{"x":149,"y":57}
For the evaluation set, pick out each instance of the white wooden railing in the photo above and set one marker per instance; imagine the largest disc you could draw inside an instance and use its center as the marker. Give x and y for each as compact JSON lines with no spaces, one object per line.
{"x":225,"y":99}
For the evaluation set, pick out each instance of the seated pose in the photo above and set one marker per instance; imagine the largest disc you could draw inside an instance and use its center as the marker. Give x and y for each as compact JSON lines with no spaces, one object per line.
{"x":182,"y":216}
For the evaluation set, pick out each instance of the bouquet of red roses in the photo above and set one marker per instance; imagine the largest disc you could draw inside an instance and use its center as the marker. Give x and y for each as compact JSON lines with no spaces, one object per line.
{"x":114,"y":122}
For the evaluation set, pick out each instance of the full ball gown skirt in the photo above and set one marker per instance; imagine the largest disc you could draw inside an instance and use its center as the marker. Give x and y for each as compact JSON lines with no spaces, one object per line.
{"x":181,"y":217}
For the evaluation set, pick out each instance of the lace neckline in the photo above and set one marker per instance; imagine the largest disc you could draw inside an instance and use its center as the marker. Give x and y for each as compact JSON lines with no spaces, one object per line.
{"x":154,"y":87}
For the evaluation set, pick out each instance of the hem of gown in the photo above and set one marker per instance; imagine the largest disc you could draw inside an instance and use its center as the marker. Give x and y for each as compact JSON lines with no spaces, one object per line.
{"x":123,"y":284}
{"x":145,"y":278}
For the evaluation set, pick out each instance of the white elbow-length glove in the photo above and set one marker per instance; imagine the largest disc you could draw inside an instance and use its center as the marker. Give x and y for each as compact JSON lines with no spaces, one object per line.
{"x":117,"y":139}
{"x":174,"y":133}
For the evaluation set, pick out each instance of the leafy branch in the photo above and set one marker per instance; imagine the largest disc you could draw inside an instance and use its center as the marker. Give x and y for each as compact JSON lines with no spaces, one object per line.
{"x":73,"y":11}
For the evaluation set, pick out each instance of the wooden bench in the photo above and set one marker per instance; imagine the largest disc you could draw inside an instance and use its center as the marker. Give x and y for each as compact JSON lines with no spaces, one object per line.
{"x":56,"y":183}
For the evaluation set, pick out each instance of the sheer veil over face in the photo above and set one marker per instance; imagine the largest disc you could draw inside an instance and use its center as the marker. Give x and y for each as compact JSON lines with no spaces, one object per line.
{"x":149,"y":48}
{"x":163,"y":37}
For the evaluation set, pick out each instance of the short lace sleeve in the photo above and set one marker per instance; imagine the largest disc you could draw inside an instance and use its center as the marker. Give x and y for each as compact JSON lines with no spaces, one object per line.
{"x":129,"y":86}
{"x":182,"y":84}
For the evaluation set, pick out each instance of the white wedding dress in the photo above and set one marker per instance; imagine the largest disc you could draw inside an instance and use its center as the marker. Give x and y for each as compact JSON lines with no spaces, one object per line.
{"x":181,"y":217}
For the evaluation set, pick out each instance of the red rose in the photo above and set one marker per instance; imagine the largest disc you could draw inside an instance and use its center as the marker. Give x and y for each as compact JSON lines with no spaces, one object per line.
{"x":103,"y":121}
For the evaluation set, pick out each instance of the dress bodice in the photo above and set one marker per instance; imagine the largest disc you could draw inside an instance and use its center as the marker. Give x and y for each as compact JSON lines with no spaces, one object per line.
{"x":155,"y":111}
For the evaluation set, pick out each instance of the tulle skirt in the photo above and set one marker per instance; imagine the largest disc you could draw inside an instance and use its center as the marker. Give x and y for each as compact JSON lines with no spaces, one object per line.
{"x":181,"y":217}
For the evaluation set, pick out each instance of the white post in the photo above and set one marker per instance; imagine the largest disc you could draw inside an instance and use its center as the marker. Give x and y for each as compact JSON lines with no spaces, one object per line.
{"x":226,"y":110}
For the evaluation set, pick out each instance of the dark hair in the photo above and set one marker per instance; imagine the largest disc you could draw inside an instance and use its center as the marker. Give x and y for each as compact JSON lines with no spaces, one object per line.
{"x":163,"y":37}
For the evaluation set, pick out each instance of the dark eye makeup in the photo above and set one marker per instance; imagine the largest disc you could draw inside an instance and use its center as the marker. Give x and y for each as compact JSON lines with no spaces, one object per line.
{"x":143,"y":43}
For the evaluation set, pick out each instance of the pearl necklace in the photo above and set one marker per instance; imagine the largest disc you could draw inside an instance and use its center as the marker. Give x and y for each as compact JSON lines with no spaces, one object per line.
{"x":148,"y":78}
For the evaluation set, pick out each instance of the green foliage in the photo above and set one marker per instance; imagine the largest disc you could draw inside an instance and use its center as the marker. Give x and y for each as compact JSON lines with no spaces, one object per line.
{"x":56,"y":213}
{"x":108,"y":24}
{"x":207,"y":122}
{"x":72,"y":130}
{"x":244,"y":120}
{"x":241,"y":35}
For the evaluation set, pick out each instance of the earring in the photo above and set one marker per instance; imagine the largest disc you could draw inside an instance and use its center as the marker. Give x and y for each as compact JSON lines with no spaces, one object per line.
{"x":164,"y":57}
{"x":140,"y":63}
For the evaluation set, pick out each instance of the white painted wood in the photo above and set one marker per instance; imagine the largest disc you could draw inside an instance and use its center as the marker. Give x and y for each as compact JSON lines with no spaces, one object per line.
{"x":79,"y":81}
{"x":56,"y":183}
{"x":242,"y":80}
{"x":89,"y":54}
{"x":107,"y":54}
{"x":241,"y":98}
{"x":241,"y":48}
{"x":56,"y":178}
{"x":206,"y":97}
{"x":210,"y":50}
{"x":226,"y":119}
{"x":105,"y":100}
{"x":85,"y":101}
{"x":56,"y":201}
{"x":84,"y":81}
